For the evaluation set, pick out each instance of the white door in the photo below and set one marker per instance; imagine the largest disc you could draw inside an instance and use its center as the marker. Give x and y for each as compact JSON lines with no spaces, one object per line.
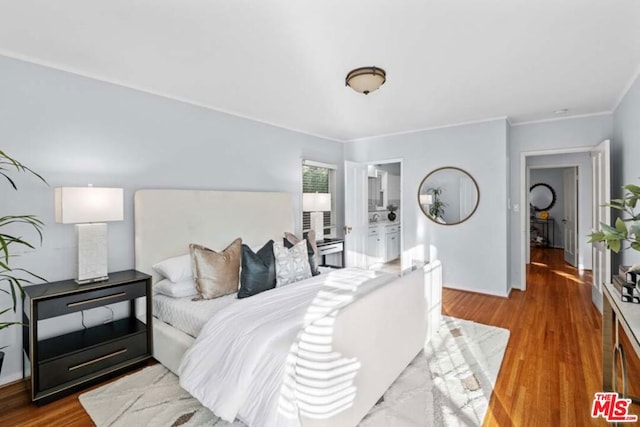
{"x":355,"y":214}
{"x":569,"y":221}
{"x":600,"y":160}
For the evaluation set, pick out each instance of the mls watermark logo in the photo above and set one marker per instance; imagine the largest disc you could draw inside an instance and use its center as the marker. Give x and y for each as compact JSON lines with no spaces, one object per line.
{"x":612,"y":408}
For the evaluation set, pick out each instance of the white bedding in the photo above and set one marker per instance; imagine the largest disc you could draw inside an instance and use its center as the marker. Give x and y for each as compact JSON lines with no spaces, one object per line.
{"x":187,"y":315}
{"x":254,"y":360}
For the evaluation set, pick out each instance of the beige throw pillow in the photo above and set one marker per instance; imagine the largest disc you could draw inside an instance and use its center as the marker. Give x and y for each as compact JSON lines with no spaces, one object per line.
{"x":292,"y":265}
{"x":216,"y":273}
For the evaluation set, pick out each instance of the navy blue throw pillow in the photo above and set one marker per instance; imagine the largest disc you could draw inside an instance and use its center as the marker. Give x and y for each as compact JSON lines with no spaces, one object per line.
{"x":258,"y":270}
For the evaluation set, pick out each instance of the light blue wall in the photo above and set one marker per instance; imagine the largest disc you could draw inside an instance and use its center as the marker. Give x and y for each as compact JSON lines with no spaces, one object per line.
{"x":626,"y":152}
{"x":537,"y":138}
{"x":474,"y":253}
{"x":76,"y":131}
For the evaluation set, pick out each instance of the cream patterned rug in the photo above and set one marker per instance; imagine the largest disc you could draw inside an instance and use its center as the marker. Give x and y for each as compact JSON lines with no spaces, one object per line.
{"x":448,"y":384}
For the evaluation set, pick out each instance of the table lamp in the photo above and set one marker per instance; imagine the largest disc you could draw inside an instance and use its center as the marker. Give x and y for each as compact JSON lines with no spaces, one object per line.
{"x":89,"y":208}
{"x":317,"y":203}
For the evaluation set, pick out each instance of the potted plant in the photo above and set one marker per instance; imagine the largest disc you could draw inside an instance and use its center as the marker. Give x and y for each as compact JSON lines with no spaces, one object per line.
{"x":13,"y":279}
{"x":626,"y":228}
{"x":436,"y":209}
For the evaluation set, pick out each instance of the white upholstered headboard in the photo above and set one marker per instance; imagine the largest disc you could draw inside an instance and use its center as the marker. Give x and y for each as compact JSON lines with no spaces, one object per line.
{"x":167,"y":221}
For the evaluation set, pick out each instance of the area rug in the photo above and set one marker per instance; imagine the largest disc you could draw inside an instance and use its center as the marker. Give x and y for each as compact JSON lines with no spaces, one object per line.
{"x":447,"y":384}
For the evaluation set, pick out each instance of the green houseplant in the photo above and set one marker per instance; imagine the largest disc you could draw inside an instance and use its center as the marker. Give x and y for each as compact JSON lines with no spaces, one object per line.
{"x":12,"y":279}
{"x":626,"y":230}
{"x":436,"y":209}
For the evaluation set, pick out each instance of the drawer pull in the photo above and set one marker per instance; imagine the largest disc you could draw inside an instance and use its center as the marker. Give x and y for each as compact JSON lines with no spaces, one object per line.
{"x":89,"y":301}
{"x":98,"y":359}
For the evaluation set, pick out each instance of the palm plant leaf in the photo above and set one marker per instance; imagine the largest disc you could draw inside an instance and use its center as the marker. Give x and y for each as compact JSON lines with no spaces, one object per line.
{"x":16,"y":278}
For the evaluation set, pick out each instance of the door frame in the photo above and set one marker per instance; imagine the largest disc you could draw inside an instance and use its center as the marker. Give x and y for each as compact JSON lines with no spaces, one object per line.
{"x":524,"y":210}
{"x":573,"y":174}
{"x":402,"y":204}
{"x":560,"y":166}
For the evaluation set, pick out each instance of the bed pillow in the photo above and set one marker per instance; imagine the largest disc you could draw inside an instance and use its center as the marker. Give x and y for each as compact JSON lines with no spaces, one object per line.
{"x":185,"y":288}
{"x":216,"y":273}
{"x":175,"y":269}
{"x":292,"y":264}
{"x":258,"y":272}
{"x":312,"y":248}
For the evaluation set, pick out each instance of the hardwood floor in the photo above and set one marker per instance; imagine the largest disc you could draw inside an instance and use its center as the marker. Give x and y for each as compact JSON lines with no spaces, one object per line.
{"x":551,"y":370}
{"x":553,"y":363}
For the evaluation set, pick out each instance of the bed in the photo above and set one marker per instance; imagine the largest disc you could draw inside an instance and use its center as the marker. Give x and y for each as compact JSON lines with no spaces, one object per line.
{"x":383,"y":331}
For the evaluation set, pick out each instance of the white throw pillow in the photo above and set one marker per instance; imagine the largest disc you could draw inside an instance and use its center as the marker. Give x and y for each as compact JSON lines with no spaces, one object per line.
{"x":292,"y":265}
{"x":175,"y":269}
{"x":185,"y":288}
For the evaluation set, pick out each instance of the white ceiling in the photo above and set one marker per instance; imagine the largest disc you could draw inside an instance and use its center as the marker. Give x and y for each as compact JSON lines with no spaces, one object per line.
{"x":284,"y":62}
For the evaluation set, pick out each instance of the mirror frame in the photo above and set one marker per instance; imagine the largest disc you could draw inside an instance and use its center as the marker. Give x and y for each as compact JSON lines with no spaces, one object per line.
{"x":553,"y":197}
{"x":475,"y":208}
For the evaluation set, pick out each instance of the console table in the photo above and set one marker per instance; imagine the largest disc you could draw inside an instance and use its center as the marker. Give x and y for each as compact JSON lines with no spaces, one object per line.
{"x":617,"y":314}
{"x":546,"y":228}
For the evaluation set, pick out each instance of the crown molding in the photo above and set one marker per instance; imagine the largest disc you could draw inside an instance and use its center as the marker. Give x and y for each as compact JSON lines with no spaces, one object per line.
{"x":407,"y":132}
{"x":557,"y":119}
{"x":626,"y":89}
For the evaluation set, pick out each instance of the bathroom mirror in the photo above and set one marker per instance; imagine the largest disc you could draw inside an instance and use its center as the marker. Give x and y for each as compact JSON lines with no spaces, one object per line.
{"x":377,"y":188}
{"x":448,"y":195}
{"x":542,"y":197}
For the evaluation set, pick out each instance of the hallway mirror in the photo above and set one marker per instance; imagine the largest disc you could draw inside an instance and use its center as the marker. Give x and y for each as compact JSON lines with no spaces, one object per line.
{"x":542,"y":197}
{"x":448,"y":195}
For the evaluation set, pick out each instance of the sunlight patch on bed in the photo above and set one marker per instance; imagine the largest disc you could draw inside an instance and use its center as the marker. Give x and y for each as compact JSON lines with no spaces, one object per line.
{"x":319,"y":382}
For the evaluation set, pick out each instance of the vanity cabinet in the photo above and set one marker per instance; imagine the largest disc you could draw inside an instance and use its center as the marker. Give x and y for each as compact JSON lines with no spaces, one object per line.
{"x":392,"y":246}
{"x":383,"y":243}
{"x":375,"y":246}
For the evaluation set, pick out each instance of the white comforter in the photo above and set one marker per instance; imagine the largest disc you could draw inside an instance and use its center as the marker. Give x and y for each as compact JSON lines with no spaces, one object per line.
{"x":240,"y":365}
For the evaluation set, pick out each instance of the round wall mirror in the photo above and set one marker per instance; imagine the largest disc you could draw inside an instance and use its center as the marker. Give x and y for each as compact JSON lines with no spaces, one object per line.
{"x":448,"y":195}
{"x":542,"y":197}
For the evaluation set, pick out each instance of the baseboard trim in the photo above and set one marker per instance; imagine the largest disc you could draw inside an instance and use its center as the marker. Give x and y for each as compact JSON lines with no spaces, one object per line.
{"x":476,"y":291}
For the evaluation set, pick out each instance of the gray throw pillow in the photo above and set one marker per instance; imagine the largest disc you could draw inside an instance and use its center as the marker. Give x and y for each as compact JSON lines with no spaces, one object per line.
{"x":292,"y":265}
{"x":312,"y":248}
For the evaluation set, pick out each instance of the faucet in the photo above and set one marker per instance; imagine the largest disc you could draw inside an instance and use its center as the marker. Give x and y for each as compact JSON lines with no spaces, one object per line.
{"x":375,"y":217}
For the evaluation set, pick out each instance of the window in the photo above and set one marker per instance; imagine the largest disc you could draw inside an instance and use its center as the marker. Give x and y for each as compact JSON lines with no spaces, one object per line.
{"x":320,"y":177}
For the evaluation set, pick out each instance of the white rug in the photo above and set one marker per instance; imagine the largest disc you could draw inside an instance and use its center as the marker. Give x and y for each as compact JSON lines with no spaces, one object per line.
{"x":448,"y":384}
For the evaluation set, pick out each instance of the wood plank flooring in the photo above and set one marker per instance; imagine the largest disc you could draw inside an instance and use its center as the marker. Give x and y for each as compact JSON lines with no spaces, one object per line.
{"x":553,"y":363}
{"x":551,"y":370}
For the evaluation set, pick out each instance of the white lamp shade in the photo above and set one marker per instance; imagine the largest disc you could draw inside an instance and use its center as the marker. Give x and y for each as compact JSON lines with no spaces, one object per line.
{"x":76,"y":205}
{"x":426,"y":199}
{"x":316,"y":202}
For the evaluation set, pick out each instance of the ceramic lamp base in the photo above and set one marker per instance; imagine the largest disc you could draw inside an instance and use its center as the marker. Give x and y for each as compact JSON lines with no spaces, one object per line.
{"x":317,"y":225}
{"x":92,"y":253}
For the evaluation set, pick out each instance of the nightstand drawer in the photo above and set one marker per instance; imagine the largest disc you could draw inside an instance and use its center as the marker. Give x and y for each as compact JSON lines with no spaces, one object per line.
{"x":330,"y":249}
{"x":86,"y":362}
{"x":90,"y":299}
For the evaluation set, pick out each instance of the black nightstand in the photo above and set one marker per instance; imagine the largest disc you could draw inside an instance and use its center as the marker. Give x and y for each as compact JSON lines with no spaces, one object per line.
{"x":63,"y":364}
{"x":330,"y":246}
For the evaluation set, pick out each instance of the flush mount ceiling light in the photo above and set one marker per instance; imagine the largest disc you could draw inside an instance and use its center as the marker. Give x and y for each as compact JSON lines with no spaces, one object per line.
{"x":366,"y":79}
